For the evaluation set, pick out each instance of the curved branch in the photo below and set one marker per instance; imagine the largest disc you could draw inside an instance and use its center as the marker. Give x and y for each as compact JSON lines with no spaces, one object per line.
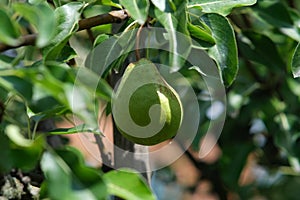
{"x":115,"y":16}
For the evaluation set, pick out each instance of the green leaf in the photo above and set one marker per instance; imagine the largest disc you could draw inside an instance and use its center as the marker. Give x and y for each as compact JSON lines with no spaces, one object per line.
{"x":67,"y":17}
{"x":68,"y":178}
{"x":35,"y":1}
{"x":77,"y":129}
{"x":296,"y":62}
{"x":102,"y":57}
{"x":22,"y":81}
{"x":234,"y":155}
{"x":14,"y":134}
{"x":44,"y":103}
{"x":201,"y":33}
{"x":82,"y":103}
{"x":8,"y":31}
{"x":99,"y":39}
{"x":282,"y":20}
{"x":18,"y":85}
{"x":41,"y":16}
{"x":5,"y":61}
{"x":170,"y":24}
{"x":169,"y":5}
{"x":47,"y":82}
{"x":179,"y":44}
{"x":160,"y":4}
{"x":110,"y":3}
{"x":127,"y":184}
{"x":222,"y":7}
{"x":24,"y":156}
{"x":94,"y":83}
{"x":15,"y":113}
{"x":138,"y":9}
{"x":283,"y":138}
{"x":225,"y":50}
{"x":260,"y":49}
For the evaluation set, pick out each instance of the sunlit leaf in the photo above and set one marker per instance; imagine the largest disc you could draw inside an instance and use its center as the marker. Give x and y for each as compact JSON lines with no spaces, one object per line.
{"x":179,"y":45}
{"x":296,"y":62}
{"x":128,"y":185}
{"x":222,"y":7}
{"x":138,"y":9}
{"x":67,"y":17}
{"x":41,"y":16}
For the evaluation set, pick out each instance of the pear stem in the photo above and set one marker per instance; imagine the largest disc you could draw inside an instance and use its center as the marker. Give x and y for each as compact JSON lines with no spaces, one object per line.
{"x":137,"y":44}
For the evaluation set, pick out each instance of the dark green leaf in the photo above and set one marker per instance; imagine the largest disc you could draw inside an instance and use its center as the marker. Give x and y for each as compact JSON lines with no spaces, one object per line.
{"x":127,"y":184}
{"x":261,"y":49}
{"x":18,"y":85}
{"x":138,"y":9}
{"x":67,"y":53}
{"x":5,"y":61}
{"x":19,"y":152}
{"x":43,"y":102}
{"x":225,"y":50}
{"x":234,"y":155}
{"x":8,"y":31}
{"x":222,"y":7}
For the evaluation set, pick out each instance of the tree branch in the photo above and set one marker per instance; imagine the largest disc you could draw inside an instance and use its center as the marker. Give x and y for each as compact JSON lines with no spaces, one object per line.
{"x":115,"y":16}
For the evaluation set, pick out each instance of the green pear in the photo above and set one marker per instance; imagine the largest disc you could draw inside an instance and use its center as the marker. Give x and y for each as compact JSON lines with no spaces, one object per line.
{"x":146,"y":109}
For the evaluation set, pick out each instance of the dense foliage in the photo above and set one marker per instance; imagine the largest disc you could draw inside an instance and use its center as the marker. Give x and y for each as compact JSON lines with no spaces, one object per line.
{"x":43,"y":46}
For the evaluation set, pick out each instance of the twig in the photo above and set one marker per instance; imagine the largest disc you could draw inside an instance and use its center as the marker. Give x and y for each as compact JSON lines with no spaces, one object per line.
{"x":115,"y":16}
{"x":89,"y":31}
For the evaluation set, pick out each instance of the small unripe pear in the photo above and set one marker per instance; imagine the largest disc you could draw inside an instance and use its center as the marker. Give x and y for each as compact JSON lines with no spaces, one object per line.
{"x":146,"y":109}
